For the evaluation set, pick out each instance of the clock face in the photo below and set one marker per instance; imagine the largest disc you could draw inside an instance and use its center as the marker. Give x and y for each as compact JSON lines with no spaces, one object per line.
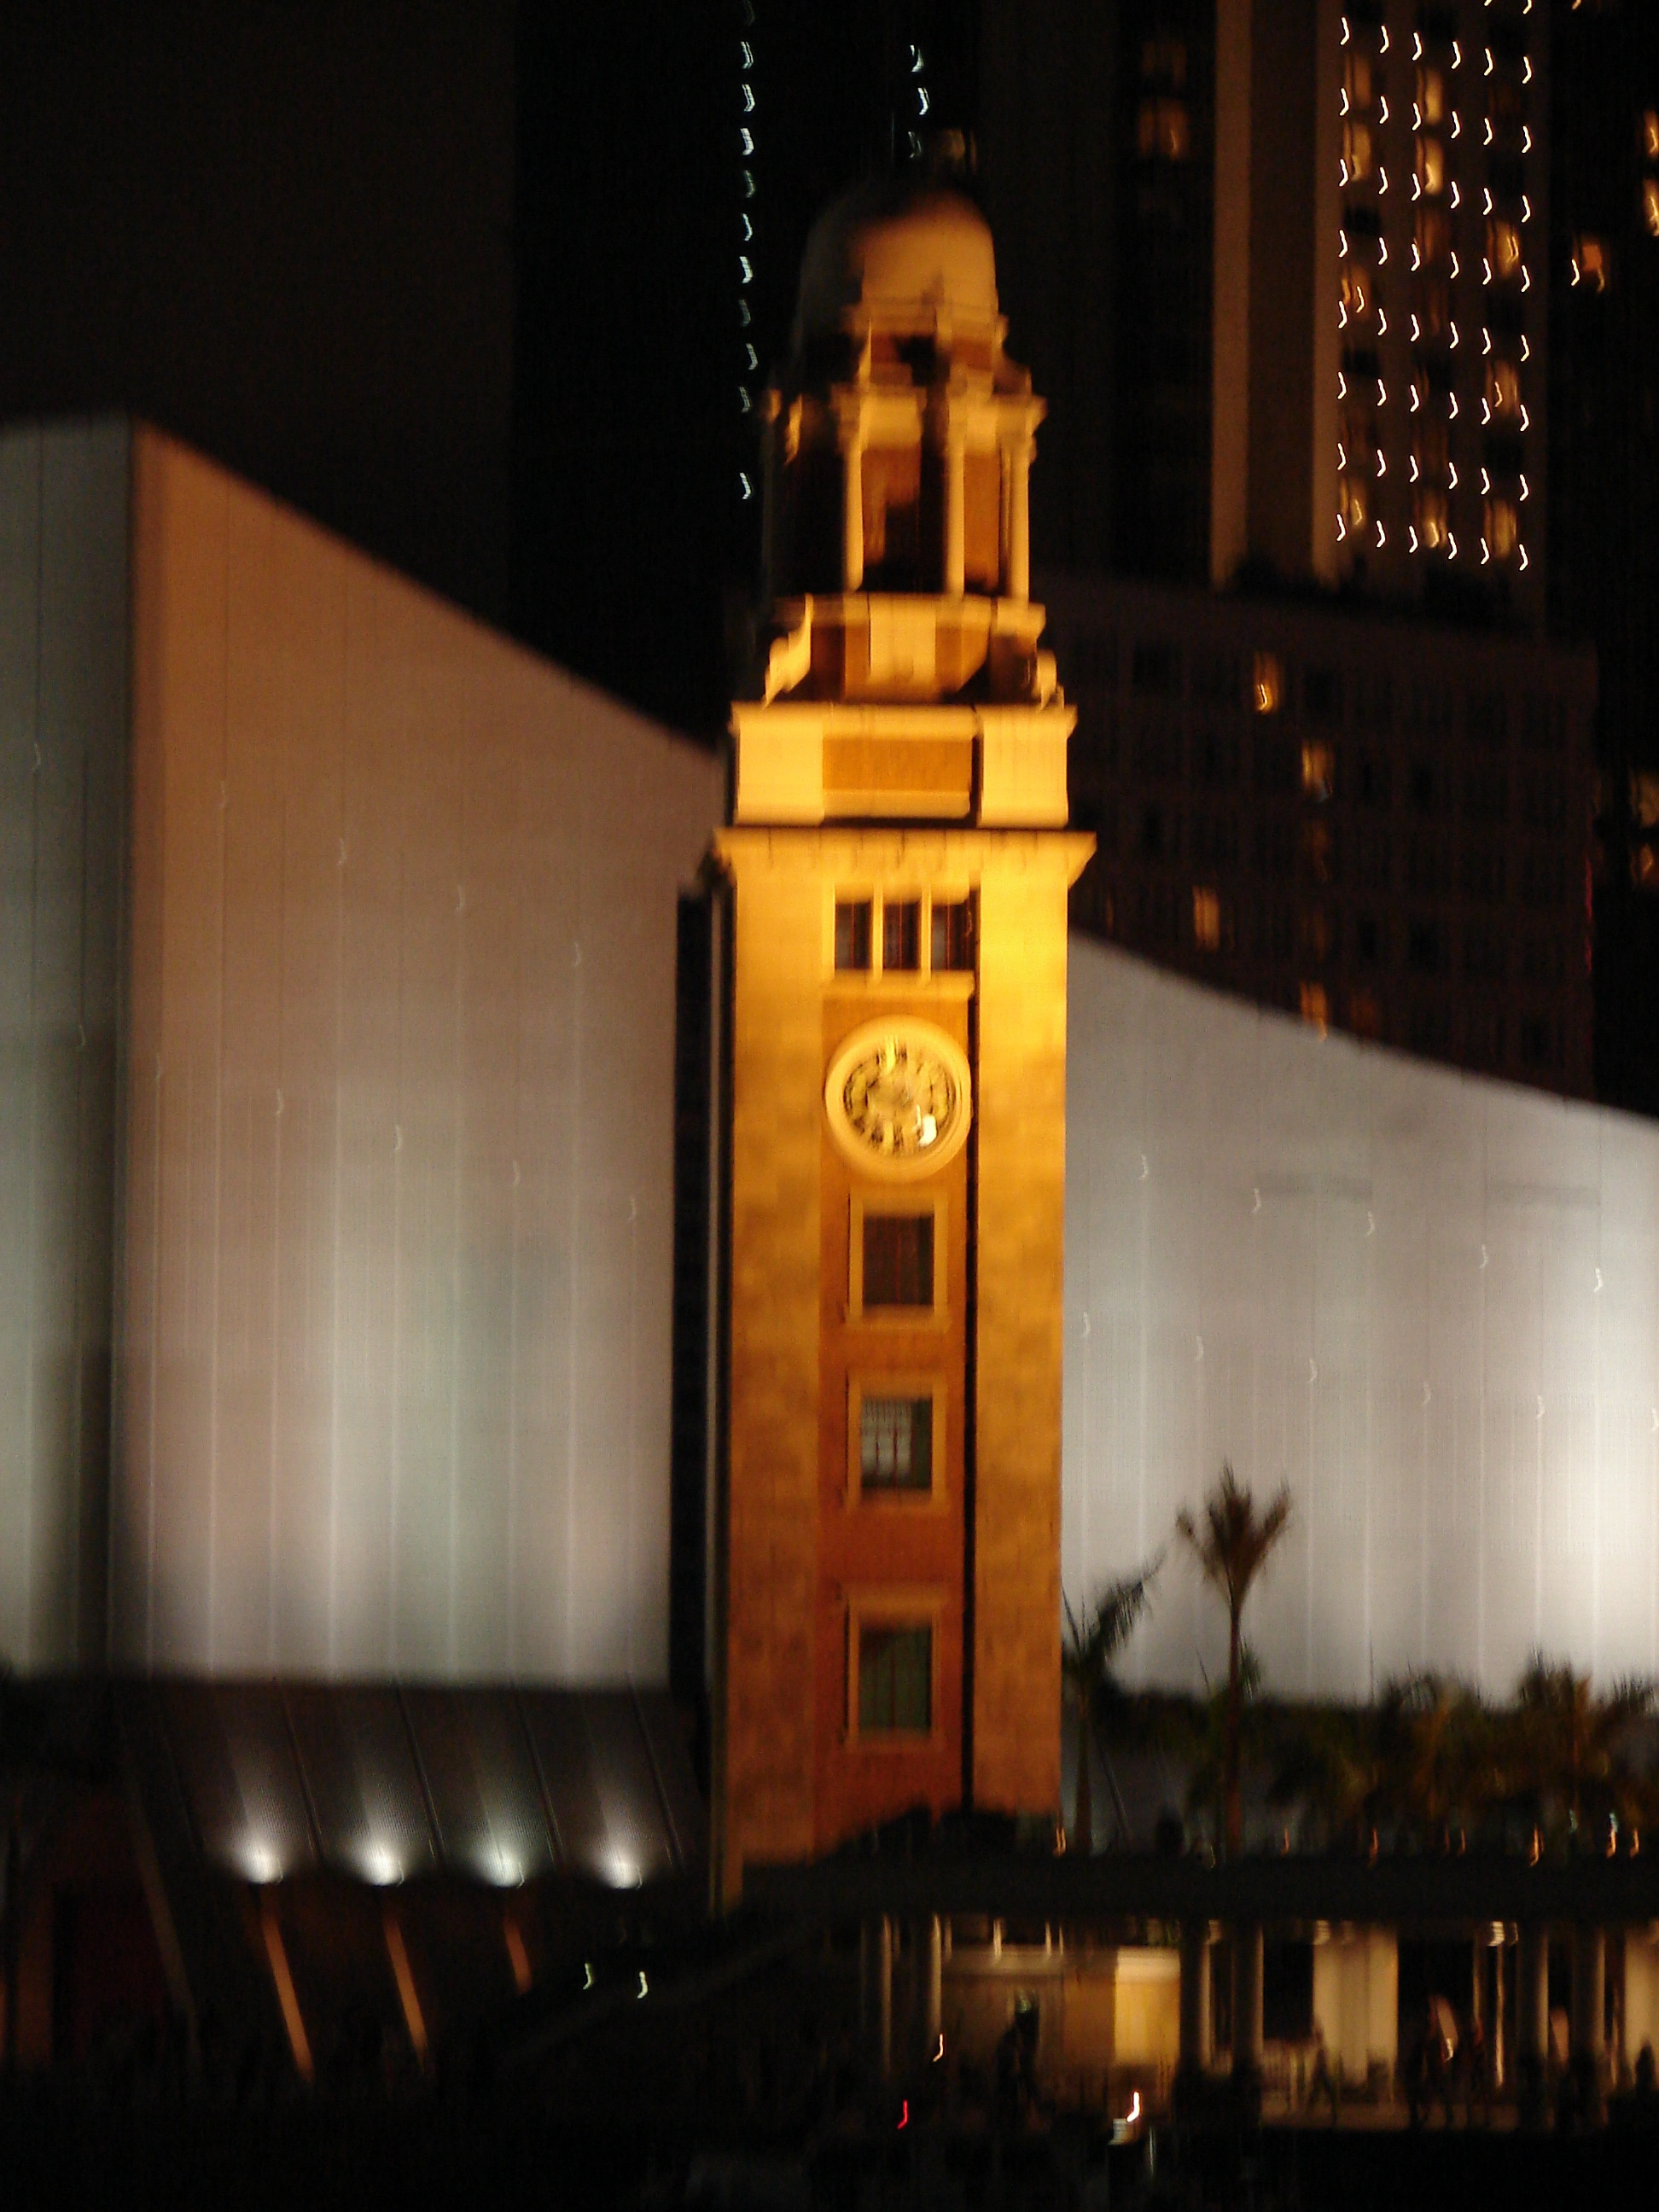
{"x":899,"y":1097}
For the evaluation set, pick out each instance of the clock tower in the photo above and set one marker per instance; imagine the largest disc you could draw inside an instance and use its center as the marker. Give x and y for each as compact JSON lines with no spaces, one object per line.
{"x":897,"y":863}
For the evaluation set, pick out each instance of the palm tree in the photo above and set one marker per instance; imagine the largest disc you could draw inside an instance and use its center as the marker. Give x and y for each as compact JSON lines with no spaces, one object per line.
{"x":1570,"y":1746}
{"x":1094,"y":1637}
{"x":1231,"y":1551}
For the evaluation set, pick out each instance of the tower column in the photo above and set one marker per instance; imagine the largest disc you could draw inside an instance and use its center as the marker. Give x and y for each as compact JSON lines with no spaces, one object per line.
{"x":1247,"y":1999}
{"x":956,"y":554}
{"x":1532,"y":1994}
{"x":1016,"y":477}
{"x":1194,"y":1997}
{"x":851,"y":441}
{"x":1589,"y":1992}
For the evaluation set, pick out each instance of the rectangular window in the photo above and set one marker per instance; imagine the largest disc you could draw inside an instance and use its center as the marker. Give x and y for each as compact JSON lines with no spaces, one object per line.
{"x":1206,"y":919}
{"x":895,"y":1444}
{"x":1269,"y":683}
{"x":1318,"y":770}
{"x":852,"y":935}
{"x":901,"y":934}
{"x":898,"y":1259}
{"x":953,"y":936}
{"x":1433,"y":237}
{"x":895,"y":1679}
{"x":1503,"y":528}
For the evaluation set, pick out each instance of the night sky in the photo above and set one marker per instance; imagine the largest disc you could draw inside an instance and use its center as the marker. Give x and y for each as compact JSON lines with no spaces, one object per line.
{"x":459,"y":279}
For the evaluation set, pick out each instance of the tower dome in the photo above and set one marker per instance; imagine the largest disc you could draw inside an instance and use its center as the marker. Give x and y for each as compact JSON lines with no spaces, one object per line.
{"x":898,"y":258}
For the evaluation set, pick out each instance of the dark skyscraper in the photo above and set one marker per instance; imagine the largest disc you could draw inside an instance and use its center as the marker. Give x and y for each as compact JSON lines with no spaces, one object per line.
{"x":1604,"y":561}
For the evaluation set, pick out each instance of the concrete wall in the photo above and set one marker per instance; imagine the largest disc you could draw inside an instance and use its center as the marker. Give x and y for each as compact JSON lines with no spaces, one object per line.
{"x":63,"y":742}
{"x":1427,"y":1302}
{"x":393,"y":1373}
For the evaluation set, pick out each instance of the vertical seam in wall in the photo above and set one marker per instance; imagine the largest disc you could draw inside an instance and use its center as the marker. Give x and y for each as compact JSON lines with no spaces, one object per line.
{"x":521,"y":876}
{"x":1595,"y":1415}
{"x":121,"y":1008}
{"x":333,"y":1630}
{"x":276,"y":1225}
{"x":394,"y":1481}
{"x":457,"y":1144}
{"x":77,"y":1385}
{"x":572,"y":1425}
{"x":26,"y":1547}
{"x":218,"y":1117}
{"x":1481,"y":1530}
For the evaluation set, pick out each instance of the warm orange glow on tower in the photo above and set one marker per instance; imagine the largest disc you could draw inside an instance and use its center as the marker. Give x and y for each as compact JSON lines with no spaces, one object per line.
{"x":898,"y":863}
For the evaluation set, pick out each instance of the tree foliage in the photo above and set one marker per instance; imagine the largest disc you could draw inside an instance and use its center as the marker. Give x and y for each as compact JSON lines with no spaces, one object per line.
{"x":1231,"y":1548}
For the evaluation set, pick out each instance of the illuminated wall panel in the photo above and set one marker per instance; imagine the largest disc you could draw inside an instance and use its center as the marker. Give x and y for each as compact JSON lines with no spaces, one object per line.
{"x":394,"y":1371}
{"x":63,"y":725}
{"x":1428,"y":1301}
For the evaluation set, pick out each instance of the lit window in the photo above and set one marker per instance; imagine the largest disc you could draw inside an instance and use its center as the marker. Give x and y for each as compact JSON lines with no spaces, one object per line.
{"x":1313,"y":933}
{"x":1644,"y":797}
{"x":1354,"y":495}
{"x":1163,"y":61}
{"x":1206,"y":919}
{"x":1650,"y":205}
{"x":953,"y":935}
{"x":898,"y":1260}
{"x":894,"y":1668}
{"x":1357,"y":79}
{"x":901,"y":934}
{"x":1314,"y":1006}
{"x":1269,"y":683}
{"x":1356,"y":150}
{"x":1644,"y":869}
{"x":1431,"y":166}
{"x":1356,"y":288}
{"x":896,"y":1443}
{"x":1590,"y":262}
{"x":1162,"y":131}
{"x":1503,"y":247}
{"x":1503,"y":390}
{"x":1430,"y":518}
{"x":1318,"y":770}
{"x":1434,"y":307}
{"x":1365,"y":1015}
{"x":1503,"y":528}
{"x":1432,"y":95}
{"x":1433,"y":237}
{"x":1317,"y":851}
{"x":1650,"y":134}
{"x":852,"y":933}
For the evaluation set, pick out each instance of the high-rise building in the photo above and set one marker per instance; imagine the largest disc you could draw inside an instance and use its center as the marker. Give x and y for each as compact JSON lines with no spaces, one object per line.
{"x":1378,"y":824}
{"x":1603,"y":560}
{"x":1287,"y":261}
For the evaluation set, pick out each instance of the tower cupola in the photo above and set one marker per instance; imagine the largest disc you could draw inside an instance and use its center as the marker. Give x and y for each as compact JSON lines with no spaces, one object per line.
{"x":898,"y":445}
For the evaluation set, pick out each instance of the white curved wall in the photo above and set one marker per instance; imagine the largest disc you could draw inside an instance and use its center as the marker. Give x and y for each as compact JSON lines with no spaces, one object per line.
{"x":394,"y":1352}
{"x":1428,"y":1301}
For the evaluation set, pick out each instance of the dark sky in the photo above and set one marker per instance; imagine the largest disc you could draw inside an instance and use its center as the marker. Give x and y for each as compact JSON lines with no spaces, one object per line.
{"x":282,"y":228}
{"x":459,"y":279}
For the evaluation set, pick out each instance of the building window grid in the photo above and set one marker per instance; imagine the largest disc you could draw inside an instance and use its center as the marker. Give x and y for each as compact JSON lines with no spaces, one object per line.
{"x":915,"y":935}
{"x":1461,"y":106}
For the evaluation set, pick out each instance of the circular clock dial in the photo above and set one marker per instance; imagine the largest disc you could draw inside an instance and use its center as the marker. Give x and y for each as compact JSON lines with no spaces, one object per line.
{"x":899,"y":1097}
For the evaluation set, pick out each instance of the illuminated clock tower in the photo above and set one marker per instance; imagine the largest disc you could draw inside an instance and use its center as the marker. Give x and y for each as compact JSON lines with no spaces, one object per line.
{"x":888,"y":1608}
